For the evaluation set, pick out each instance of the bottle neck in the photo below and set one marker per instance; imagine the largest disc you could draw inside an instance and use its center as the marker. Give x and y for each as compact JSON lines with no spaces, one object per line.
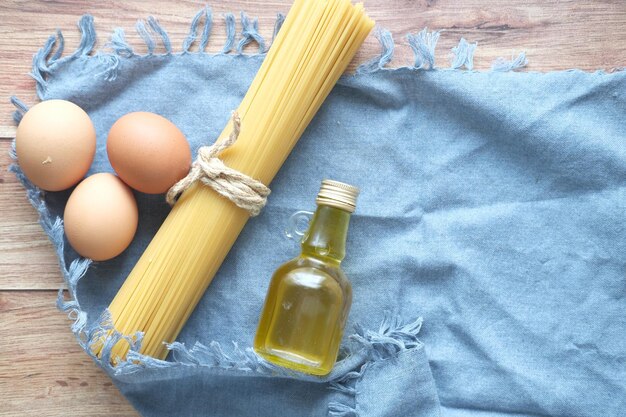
{"x":326,"y":237}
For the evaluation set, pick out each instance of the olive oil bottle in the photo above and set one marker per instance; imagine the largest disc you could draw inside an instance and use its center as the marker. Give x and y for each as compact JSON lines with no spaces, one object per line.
{"x":309,"y":297}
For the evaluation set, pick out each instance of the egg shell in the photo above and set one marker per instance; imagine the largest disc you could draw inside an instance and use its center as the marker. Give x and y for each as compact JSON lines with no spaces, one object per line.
{"x":55,"y":144}
{"x":148,"y":152}
{"x":101,"y":217}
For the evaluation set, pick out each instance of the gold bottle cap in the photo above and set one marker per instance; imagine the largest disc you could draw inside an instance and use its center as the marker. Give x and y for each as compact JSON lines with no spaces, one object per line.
{"x":338,"y":194}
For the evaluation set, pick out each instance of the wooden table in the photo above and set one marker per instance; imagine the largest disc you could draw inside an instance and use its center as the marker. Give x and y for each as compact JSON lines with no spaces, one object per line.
{"x":42,"y":369}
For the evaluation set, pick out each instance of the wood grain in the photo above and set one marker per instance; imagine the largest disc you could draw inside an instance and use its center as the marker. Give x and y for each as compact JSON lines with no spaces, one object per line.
{"x":28,"y":260}
{"x":556,"y":34}
{"x":42,"y":369}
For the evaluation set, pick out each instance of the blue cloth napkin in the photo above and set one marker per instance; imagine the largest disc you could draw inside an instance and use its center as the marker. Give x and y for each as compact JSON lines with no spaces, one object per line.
{"x":492,"y":208}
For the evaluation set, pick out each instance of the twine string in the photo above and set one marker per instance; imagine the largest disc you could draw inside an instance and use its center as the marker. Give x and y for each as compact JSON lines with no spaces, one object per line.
{"x":246,"y":192}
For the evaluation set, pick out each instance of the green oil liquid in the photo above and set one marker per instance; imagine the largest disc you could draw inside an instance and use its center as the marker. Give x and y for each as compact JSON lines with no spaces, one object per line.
{"x":308,"y":300}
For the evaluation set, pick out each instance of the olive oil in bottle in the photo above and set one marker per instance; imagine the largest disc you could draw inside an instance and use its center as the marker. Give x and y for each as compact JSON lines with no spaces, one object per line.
{"x":309,"y":297}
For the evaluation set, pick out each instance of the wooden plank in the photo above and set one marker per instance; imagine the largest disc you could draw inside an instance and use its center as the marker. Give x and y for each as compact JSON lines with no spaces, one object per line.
{"x":43,"y":371}
{"x":7,"y":132}
{"x":28,"y":260}
{"x":556,"y":34}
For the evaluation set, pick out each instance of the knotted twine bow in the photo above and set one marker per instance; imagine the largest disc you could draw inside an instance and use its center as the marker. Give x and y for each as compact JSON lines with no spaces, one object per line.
{"x":244,"y":191}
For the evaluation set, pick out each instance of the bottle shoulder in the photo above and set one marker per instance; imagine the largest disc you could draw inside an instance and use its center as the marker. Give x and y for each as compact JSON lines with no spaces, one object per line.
{"x":316,"y":270}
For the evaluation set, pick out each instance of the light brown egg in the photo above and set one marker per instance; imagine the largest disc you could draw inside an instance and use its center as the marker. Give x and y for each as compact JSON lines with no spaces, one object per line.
{"x":148,"y":152}
{"x":101,"y":217}
{"x":55,"y":144}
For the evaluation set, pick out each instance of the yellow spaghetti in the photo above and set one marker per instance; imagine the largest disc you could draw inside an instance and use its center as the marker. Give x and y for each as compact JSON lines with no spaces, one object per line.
{"x":317,"y":41}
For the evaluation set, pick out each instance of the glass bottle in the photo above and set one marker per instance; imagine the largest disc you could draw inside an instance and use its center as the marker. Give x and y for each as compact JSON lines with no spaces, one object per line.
{"x":309,"y":297}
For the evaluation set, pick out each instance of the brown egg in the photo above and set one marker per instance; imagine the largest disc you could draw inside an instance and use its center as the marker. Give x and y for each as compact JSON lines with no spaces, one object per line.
{"x":148,"y":152}
{"x":101,"y":217}
{"x":55,"y":143}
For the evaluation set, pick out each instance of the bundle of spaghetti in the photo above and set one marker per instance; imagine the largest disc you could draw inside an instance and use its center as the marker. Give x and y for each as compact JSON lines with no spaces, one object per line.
{"x":313,"y":48}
